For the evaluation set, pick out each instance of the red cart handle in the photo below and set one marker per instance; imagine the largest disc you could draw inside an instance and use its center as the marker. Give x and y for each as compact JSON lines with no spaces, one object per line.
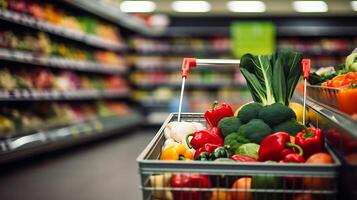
{"x":186,"y":65}
{"x":306,"y":68}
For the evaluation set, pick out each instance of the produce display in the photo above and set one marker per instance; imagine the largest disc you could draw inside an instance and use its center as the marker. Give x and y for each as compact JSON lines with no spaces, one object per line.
{"x":342,"y":83}
{"x":61,"y":80}
{"x":49,"y":12}
{"x":40,"y":43}
{"x":16,"y":119}
{"x":266,"y":130}
{"x":324,"y":51}
{"x":181,"y":44}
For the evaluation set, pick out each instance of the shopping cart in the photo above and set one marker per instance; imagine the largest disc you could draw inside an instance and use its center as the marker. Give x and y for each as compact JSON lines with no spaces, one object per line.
{"x":229,"y":180}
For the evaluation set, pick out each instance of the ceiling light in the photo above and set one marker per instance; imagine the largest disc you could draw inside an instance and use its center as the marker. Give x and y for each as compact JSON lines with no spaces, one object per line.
{"x":354,"y":5}
{"x":137,"y":6}
{"x":191,"y":6}
{"x":310,"y":6}
{"x":246,"y":6}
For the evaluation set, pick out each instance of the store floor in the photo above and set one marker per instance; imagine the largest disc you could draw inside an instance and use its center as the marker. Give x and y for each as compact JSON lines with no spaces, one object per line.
{"x":103,"y":170}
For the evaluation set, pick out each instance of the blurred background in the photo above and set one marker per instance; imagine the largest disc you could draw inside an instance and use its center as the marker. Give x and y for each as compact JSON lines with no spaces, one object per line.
{"x":77,"y":70}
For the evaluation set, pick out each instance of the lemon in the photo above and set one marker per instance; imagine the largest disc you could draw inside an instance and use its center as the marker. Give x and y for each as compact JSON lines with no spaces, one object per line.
{"x":298,"y":109}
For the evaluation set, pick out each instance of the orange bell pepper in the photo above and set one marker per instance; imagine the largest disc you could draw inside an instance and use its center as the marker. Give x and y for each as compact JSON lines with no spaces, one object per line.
{"x":176,"y":152}
{"x":346,"y":100}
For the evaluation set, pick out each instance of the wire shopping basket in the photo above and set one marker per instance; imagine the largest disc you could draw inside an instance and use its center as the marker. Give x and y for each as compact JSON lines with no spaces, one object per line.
{"x":196,"y":180}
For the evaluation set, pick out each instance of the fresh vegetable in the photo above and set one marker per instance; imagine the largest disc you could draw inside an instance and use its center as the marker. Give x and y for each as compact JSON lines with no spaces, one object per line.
{"x":190,"y":182}
{"x":206,"y":148}
{"x":243,"y":158}
{"x":244,"y":184}
{"x":290,"y":126}
{"x":229,"y":125}
{"x":220,"y":152}
{"x":343,"y":80}
{"x":178,"y":130}
{"x":255,"y":130}
{"x":351,"y":62}
{"x":218,"y":112}
{"x":202,"y":137}
{"x":320,"y":158}
{"x":311,"y":141}
{"x":203,"y":156}
{"x":208,"y":154}
{"x":249,"y":149}
{"x":176,"y":152}
{"x":272,"y":78}
{"x":159,"y":181}
{"x":267,"y":182}
{"x":221,"y":194}
{"x":275,"y":114}
{"x":275,"y":147}
{"x":319,"y":183}
{"x":240,"y":107}
{"x":249,"y":112}
{"x":293,"y":158}
{"x":346,"y":99}
{"x":235,"y":140}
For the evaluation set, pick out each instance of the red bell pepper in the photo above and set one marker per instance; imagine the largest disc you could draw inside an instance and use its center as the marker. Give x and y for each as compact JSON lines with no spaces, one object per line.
{"x":202,"y":137}
{"x":311,"y":141}
{"x":275,"y":147}
{"x":206,"y":148}
{"x":293,"y":158}
{"x":243,"y":158}
{"x":190,"y":182}
{"x":214,"y":115}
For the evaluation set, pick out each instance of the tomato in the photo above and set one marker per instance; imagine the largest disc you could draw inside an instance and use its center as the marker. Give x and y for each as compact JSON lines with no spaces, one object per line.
{"x":318,"y":183}
{"x":242,"y":183}
{"x":320,"y":158}
{"x":221,"y":194}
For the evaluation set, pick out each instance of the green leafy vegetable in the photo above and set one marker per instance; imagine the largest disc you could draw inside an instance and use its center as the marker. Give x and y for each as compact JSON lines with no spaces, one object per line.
{"x":272,"y":78}
{"x":249,"y":149}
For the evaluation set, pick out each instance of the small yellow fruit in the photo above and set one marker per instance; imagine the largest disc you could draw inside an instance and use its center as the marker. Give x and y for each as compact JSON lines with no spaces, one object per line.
{"x":298,"y":109}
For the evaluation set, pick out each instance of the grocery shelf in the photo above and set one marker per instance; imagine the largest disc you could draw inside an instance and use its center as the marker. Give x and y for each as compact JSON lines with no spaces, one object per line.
{"x":33,"y":95}
{"x":115,"y":15}
{"x":177,"y":67}
{"x":185,"y":51}
{"x":89,"y":39}
{"x":19,"y":146}
{"x":59,"y":62}
{"x":190,"y":85}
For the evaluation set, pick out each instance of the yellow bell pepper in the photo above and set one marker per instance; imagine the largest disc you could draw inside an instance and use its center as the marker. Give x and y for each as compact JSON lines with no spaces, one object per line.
{"x":176,"y":152}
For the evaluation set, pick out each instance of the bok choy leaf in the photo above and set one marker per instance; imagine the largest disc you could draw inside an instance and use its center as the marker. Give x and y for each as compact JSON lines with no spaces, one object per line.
{"x":272,"y":78}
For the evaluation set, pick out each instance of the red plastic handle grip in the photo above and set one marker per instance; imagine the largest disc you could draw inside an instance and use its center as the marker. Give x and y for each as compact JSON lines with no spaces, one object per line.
{"x":306,"y":68}
{"x":187,"y":63}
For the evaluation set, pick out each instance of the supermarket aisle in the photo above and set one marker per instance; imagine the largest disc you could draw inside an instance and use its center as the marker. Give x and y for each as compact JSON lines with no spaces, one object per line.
{"x":103,"y":170}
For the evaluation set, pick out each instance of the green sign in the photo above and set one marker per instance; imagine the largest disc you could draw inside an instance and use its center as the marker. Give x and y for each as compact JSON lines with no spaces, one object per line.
{"x":256,"y":37}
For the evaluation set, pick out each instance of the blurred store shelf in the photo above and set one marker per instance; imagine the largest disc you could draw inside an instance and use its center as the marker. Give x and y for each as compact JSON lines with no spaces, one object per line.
{"x":24,"y":95}
{"x":15,"y":147}
{"x":89,"y":39}
{"x":115,"y":15}
{"x":59,"y":62}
